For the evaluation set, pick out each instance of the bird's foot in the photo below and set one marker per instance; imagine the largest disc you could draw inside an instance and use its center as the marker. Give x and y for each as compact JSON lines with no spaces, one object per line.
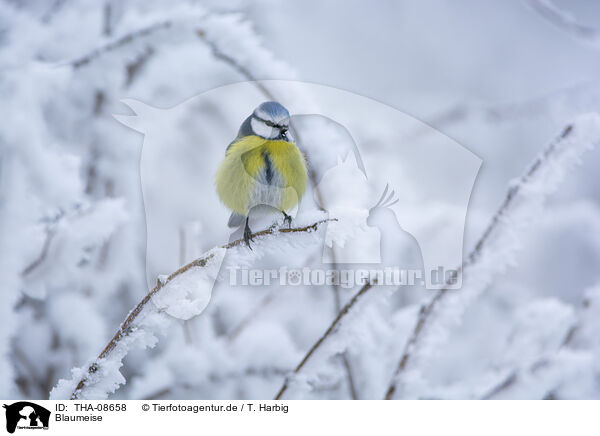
{"x":287,"y":219}
{"x":248,"y":235}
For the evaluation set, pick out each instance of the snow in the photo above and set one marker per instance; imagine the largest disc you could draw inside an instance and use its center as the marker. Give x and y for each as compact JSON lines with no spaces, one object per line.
{"x":187,"y":295}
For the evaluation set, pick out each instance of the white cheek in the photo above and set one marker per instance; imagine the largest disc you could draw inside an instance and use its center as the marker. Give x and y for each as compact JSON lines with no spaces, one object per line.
{"x":261,"y":129}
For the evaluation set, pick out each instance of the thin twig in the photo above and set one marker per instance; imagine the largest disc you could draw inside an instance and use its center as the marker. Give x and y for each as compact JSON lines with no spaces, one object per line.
{"x":134,"y":68}
{"x":327,"y":333}
{"x":349,"y":376}
{"x":126,"y":327}
{"x":345,"y":359}
{"x":120,"y":42}
{"x":515,"y":376}
{"x":426,"y":310}
{"x":50,"y":233}
{"x":219,"y":54}
{"x":106,"y":19}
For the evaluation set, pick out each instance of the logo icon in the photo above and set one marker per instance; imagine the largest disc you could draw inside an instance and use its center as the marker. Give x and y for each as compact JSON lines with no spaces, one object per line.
{"x":26,"y":415}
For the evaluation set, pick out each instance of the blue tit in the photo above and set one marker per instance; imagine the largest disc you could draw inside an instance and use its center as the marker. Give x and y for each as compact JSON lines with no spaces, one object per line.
{"x":262,"y":167}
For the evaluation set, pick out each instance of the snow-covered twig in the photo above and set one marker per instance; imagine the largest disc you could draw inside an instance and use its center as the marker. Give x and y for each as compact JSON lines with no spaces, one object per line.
{"x":50,"y":233}
{"x":344,"y":357}
{"x":120,"y":42}
{"x":265,"y":302}
{"x":132,"y":323}
{"x":522,"y":373}
{"x":234,"y":63}
{"x":513,"y":377}
{"x":494,"y":249}
{"x":332,"y":327}
{"x":137,"y":65}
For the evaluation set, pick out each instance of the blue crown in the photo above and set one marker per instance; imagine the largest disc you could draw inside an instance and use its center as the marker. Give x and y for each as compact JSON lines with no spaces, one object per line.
{"x":271,"y":110}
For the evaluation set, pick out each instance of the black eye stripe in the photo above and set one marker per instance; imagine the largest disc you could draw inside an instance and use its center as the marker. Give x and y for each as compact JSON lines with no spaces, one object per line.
{"x":269,"y":123}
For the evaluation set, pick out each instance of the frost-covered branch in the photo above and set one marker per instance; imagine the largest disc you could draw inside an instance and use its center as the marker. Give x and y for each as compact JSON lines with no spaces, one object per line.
{"x":344,"y":357}
{"x":495,"y":249}
{"x":132,"y":329}
{"x":214,"y":24}
{"x":234,"y":63}
{"x":561,"y":348}
{"x":120,"y":42}
{"x":43,"y":253}
{"x":330,"y":330}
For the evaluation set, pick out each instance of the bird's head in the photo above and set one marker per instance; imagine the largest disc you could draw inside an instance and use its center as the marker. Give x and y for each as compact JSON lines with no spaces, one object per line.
{"x":270,"y":120}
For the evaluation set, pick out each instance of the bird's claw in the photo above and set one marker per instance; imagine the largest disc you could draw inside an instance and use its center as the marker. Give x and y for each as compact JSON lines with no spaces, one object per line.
{"x":287,"y":219}
{"x":248,"y":236}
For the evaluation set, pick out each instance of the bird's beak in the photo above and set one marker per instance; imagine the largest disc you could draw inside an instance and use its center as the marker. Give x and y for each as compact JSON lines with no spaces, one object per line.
{"x":283,"y":133}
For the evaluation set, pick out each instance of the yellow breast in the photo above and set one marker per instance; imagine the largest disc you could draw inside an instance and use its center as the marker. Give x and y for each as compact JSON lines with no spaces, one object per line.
{"x":259,"y":171}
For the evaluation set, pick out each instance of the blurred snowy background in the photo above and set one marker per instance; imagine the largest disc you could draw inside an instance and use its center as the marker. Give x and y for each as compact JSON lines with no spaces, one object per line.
{"x":500,"y":78}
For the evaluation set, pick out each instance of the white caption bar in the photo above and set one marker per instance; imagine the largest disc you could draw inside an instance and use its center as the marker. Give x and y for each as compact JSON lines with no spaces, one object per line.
{"x":304,"y":417}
